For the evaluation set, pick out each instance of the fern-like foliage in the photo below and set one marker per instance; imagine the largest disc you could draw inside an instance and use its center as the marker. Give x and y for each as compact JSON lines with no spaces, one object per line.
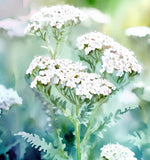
{"x":48,"y":100}
{"x":140,"y":138}
{"x":85,"y":113}
{"x":42,"y":145}
{"x":35,"y":141}
{"x":137,"y":138}
{"x":100,"y":127}
{"x":57,"y":102}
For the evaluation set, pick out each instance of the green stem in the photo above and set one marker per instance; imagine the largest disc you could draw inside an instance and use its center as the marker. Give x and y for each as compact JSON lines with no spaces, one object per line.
{"x":88,"y":131}
{"x":56,"y":49}
{"x":61,"y":108}
{"x":58,"y":141}
{"x":65,"y":96}
{"x":76,"y":124}
{"x":49,"y":49}
{"x":77,"y":133}
{"x":54,"y":126}
{"x":52,"y":116}
{"x":56,"y":134}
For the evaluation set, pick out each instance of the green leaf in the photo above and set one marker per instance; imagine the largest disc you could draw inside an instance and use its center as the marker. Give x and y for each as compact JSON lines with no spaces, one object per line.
{"x":35,"y":141}
{"x":42,"y":145}
{"x":85,"y":113}
{"x":138,"y":91}
{"x":100,"y":127}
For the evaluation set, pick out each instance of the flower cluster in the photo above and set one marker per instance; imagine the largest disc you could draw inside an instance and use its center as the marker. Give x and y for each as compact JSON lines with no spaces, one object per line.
{"x":56,"y":17}
{"x":96,"y":15}
{"x":54,"y":71}
{"x":91,"y":84}
{"x":14,"y":27}
{"x":92,"y":41}
{"x":8,"y":97}
{"x":141,"y":31}
{"x":117,"y":152}
{"x":114,"y":56}
{"x":69,"y":74}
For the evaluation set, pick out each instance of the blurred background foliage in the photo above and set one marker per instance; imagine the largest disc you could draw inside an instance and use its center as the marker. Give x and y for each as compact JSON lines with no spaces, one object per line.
{"x":17,"y":52}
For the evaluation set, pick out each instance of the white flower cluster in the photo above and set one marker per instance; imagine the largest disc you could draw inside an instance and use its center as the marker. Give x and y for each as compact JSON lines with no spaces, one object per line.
{"x":117,"y":152}
{"x":114,"y":57}
{"x":8,"y":97}
{"x":96,"y":15}
{"x":93,"y":40}
{"x":55,"y":16}
{"x":69,"y":74}
{"x":14,"y":27}
{"x":91,"y":84}
{"x":140,"y":31}
{"x":54,"y":71}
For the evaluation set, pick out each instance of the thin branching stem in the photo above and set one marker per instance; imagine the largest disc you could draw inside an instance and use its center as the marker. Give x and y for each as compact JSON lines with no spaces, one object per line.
{"x":77,"y":133}
{"x":56,"y":49}
{"x":56,"y":134}
{"x":65,"y":96}
{"x":54,"y":125}
{"x":76,"y":124}
{"x":61,"y":108}
{"x":51,"y":52}
{"x":88,"y":131}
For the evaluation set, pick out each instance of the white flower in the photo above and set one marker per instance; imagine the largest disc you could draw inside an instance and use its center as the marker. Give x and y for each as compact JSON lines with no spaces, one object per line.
{"x":69,"y":74}
{"x":14,"y":27}
{"x":54,"y":71}
{"x":96,"y":15}
{"x":8,"y":97}
{"x":55,"y":16}
{"x":117,"y":152}
{"x":139,"y":31}
{"x":91,"y":84}
{"x":92,"y":41}
{"x":114,"y":56}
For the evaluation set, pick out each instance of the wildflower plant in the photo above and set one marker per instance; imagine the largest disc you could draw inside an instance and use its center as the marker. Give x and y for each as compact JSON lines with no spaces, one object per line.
{"x":140,"y":31}
{"x":75,"y":90}
{"x":8,"y":98}
{"x":56,"y":23}
{"x":116,"y":152}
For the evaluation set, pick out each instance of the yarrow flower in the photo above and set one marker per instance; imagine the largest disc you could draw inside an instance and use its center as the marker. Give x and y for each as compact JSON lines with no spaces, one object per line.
{"x":69,"y":74}
{"x":56,"y":17}
{"x":14,"y":27}
{"x":91,"y":84}
{"x":96,"y":15}
{"x":8,"y":98}
{"x":140,"y":31}
{"x":114,"y":56}
{"x":117,"y":152}
{"x":53,"y":71}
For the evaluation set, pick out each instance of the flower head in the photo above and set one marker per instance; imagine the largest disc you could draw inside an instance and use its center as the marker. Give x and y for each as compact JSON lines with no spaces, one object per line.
{"x":8,"y":97}
{"x":69,"y":74}
{"x":140,"y":31}
{"x":54,"y":71}
{"x":56,"y":17}
{"x":14,"y":27}
{"x":96,"y":15}
{"x":114,"y":56}
{"x":117,"y":152}
{"x":92,"y":84}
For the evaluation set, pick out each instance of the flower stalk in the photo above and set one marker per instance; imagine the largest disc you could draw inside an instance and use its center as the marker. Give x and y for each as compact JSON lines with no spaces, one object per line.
{"x":77,"y":133}
{"x":88,"y":131}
